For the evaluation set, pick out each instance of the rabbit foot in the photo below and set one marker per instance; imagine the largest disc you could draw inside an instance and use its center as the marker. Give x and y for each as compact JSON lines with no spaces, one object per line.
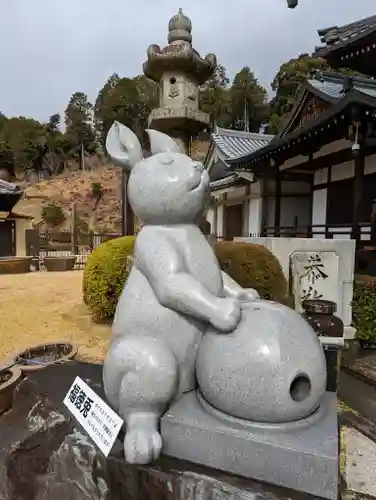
{"x":142,"y":446}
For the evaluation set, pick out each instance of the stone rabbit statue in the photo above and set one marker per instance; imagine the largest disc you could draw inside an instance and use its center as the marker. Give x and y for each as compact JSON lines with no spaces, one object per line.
{"x":175,"y":290}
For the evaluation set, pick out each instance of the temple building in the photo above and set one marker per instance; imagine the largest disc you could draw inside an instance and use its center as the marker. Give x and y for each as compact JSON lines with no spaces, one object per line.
{"x":317,"y":177}
{"x":13,"y":225}
{"x":233,"y":206}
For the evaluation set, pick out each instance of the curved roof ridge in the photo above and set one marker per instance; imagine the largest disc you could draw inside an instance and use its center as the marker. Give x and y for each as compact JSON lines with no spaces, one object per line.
{"x":235,"y":143}
{"x":334,"y":75}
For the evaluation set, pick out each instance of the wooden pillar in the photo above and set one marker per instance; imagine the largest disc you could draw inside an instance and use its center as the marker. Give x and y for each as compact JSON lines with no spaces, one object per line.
{"x":357,"y":194}
{"x":277,"y":204}
{"x":264,"y":208}
{"x":328,"y":193}
{"x":311,"y":185}
{"x":373,"y":222}
{"x":310,"y":216}
{"x":224,"y":218}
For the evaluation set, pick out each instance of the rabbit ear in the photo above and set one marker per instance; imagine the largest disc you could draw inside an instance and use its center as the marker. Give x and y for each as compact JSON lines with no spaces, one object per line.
{"x":123,"y":146}
{"x":162,"y":143}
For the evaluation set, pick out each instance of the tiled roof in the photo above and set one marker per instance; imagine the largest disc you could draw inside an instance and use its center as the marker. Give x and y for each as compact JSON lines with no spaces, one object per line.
{"x":232,"y":144}
{"x":332,"y":84}
{"x":336,"y":36}
{"x":235,"y":143}
{"x":224,"y":182}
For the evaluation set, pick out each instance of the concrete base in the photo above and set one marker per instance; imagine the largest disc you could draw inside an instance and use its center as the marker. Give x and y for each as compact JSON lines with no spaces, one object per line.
{"x":349,"y":333}
{"x":300,"y":455}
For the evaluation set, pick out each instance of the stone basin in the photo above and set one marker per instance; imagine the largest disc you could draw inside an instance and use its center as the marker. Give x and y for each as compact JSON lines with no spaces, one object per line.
{"x":40,"y":356}
{"x":15,"y":265}
{"x":59,"y":263}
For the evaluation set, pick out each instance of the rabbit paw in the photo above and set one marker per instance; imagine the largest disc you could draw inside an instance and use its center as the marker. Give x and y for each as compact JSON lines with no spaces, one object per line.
{"x":249,"y":295}
{"x":142,"y":446}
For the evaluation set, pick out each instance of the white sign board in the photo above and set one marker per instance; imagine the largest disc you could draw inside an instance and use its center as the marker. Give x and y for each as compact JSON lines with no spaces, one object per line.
{"x":315,"y":275}
{"x":96,"y":417}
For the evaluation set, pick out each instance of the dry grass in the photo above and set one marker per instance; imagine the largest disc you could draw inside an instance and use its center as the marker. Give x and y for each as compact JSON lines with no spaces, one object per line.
{"x":44,"y":307}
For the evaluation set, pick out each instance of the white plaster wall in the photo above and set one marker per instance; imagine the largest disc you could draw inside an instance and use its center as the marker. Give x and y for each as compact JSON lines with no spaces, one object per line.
{"x":320,"y":176}
{"x":237,"y":192}
{"x":319,"y":207}
{"x":292,"y":162}
{"x":344,"y":171}
{"x":254,"y":216}
{"x":333,"y":147}
{"x":210,"y":217}
{"x":245,"y":218}
{"x":220,"y":220}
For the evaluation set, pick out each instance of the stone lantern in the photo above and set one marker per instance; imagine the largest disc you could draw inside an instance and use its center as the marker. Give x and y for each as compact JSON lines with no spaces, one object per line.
{"x":179,"y":70}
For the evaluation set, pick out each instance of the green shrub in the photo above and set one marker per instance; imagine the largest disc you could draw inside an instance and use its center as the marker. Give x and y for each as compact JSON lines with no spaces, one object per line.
{"x":96,"y":189}
{"x":105,"y":274}
{"x":53,"y":214}
{"x":364,"y":310}
{"x":253,"y":266}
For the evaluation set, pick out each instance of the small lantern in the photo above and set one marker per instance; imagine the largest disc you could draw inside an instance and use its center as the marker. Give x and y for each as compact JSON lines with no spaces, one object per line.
{"x":291,"y":4}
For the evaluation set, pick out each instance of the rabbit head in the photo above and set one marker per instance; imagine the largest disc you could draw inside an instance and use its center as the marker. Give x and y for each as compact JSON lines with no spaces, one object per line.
{"x":166,"y":188}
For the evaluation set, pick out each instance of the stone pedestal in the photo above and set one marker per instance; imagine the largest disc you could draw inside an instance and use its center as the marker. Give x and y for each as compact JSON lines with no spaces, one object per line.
{"x":302,"y":455}
{"x":317,"y":268}
{"x":45,"y":454}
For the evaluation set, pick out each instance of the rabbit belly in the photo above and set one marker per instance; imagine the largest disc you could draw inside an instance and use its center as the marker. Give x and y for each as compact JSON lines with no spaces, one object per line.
{"x":139,"y":314}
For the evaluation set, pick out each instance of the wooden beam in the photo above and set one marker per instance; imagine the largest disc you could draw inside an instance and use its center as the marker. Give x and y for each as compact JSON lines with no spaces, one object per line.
{"x":331,"y":159}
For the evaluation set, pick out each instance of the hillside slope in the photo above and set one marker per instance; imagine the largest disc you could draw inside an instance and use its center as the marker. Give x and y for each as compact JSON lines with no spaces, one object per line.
{"x":76,"y":188}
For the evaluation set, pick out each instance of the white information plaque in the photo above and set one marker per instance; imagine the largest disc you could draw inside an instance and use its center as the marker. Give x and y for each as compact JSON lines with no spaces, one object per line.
{"x":100,"y":422}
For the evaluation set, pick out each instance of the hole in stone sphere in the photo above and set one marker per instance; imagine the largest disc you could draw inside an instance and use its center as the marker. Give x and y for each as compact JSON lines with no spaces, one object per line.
{"x":172,"y":80}
{"x":300,"y":388}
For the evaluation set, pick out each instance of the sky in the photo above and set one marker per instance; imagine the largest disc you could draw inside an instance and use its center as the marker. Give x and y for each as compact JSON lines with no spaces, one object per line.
{"x":50,"y":49}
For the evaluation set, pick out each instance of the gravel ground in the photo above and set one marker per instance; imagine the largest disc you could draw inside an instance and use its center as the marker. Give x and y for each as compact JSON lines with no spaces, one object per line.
{"x":360,"y":462}
{"x":42,"y":307}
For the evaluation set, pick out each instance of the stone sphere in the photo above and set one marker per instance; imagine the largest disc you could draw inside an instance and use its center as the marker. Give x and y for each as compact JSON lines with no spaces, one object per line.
{"x":270,"y":369}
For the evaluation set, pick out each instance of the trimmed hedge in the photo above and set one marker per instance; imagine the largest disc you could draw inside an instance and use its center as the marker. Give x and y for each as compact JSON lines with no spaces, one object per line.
{"x":364,"y":310}
{"x":105,"y":274}
{"x":253,"y":266}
